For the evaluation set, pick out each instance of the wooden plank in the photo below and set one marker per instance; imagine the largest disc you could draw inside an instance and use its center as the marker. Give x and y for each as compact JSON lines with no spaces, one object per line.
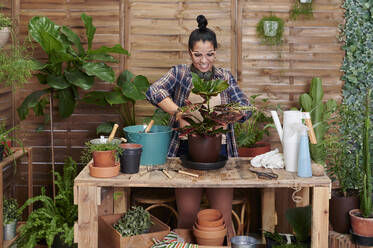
{"x":320,"y":220}
{"x":121,"y":200}
{"x":269,"y":220}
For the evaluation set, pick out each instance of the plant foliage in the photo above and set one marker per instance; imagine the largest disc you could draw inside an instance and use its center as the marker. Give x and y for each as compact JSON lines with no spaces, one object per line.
{"x":69,"y":66}
{"x":270,"y":40}
{"x":10,"y":210}
{"x":134,"y":222}
{"x":304,"y":9}
{"x":5,"y":21}
{"x":253,"y":129}
{"x":53,"y":217}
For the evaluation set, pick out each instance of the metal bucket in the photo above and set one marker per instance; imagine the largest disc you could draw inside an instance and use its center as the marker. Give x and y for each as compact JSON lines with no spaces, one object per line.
{"x":103,"y":140}
{"x":246,"y":242}
{"x":10,"y":230}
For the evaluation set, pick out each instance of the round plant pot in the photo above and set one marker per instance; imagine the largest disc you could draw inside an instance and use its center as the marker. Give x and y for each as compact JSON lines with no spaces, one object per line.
{"x":339,"y":209}
{"x":103,"y":158}
{"x":9,"y":230}
{"x":270,"y":28}
{"x":4,"y":36}
{"x":305,"y":1}
{"x":204,"y":149}
{"x":210,"y":218}
{"x":214,"y":238}
{"x":130,"y":158}
{"x":257,"y":149}
{"x":104,"y":172}
{"x":360,"y":225}
{"x":209,"y":228}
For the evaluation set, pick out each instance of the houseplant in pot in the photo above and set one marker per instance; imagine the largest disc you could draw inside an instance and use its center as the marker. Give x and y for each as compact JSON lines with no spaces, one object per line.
{"x":5,"y":27}
{"x":270,"y":29}
{"x":250,"y":133}
{"x":6,"y":140}
{"x":205,"y":132}
{"x":362,"y":219}
{"x":10,"y":217}
{"x":301,"y":8}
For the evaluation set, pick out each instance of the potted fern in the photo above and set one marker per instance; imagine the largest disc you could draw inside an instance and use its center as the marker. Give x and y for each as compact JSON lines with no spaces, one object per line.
{"x":10,"y":217}
{"x":362,"y":219}
{"x":5,"y":24}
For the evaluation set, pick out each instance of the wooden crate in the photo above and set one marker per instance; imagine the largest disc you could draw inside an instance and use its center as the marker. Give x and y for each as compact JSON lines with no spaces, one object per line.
{"x":340,"y":240}
{"x":111,"y":238}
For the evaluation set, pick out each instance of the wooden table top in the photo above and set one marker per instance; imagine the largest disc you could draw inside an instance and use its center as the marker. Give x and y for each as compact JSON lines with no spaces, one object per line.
{"x":235,"y":174}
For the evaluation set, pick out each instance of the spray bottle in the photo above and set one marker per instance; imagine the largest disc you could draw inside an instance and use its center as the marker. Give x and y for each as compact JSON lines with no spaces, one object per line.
{"x":304,"y":159}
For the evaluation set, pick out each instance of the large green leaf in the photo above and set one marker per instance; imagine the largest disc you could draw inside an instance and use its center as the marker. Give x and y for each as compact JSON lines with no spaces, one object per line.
{"x":105,"y":128}
{"x":90,"y":30}
{"x":80,"y":79}
{"x":39,"y":24}
{"x":30,"y":102}
{"x":74,"y":38}
{"x":101,"y":70}
{"x":49,"y":43}
{"x":57,"y":82}
{"x":101,"y":57}
{"x":141,"y":83}
{"x":124,"y":77}
{"x":134,"y":90}
{"x":208,"y":88}
{"x":42,"y":78}
{"x":115,"y":97}
{"x":95,"y":97}
{"x":66,"y":102}
{"x":104,"y":49}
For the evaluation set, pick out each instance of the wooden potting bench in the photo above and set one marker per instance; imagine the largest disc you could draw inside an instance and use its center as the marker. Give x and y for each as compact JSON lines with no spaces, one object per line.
{"x":96,"y":196}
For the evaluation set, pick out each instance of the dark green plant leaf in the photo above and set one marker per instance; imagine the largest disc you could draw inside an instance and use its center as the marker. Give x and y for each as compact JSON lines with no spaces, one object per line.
{"x":89,"y":29}
{"x":42,"y":78}
{"x":100,"y":70}
{"x":105,"y":128}
{"x":74,"y":38}
{"x":30,"y":102}
{"x":141,"y":83}
{"x":80,"y":79}
{"x":41,"y":24}
{"x":104,"y":49}
{"x":124,"y":77}
{"x":209,"y":88}
{"x":50,"y":43}
{"x":115,"y":97}
{"x":300,"y":219}
{"x":96,"y":97}
{"x":66,"y":102}
{"x":57,"y":82}
{"x":102,"y":57}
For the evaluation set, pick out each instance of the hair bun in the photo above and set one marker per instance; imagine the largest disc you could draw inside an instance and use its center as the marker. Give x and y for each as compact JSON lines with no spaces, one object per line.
{"x":202,"y":22}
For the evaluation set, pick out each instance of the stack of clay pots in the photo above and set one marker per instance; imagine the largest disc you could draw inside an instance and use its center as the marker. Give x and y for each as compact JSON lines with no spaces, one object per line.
{"x":209,"y":228}
{"x":104,"y":164}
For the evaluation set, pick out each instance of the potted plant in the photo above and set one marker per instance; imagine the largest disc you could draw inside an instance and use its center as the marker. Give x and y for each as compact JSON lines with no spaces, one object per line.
{"x":205,"y":133}
{"x":54,"y":217}
{"x":6,"y":140}
{"x":5,"y":24}
{"x":250,"y":133}
{"x":134,"y":222}
{"x":69,"y":65}
{"x":301,"y":7}
{"x":362,"y":219}
{"x":10,"y":217}
{"x":270,"y":30}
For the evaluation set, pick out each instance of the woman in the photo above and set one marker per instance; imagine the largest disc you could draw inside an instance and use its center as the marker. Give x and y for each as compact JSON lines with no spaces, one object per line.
{"x":171,"y":91}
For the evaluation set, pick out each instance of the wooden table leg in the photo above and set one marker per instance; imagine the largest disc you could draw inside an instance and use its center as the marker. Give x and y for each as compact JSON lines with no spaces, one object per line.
{"x":269,"y":219}
{"x":87,"y":197}
{"x":320,"y":217}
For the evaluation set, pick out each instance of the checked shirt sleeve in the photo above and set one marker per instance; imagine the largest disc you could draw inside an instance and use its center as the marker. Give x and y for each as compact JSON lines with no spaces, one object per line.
{"x":162,"y":88}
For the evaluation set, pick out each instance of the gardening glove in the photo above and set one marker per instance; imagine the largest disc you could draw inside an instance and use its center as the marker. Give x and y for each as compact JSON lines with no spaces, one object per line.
{"x":272,"y":159}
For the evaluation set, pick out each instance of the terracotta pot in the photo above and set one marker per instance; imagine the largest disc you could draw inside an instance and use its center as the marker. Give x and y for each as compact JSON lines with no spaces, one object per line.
{"x":360,"y":225}
{"x":204,"y":149}
{"x":338,"y":208}
{"x":210,"y":218}
{"x":104,"y":172}
{"x":210,"y":238}
{"x":103,"y":158}
{"x":257,"y":149}
{"x":208,"y":228}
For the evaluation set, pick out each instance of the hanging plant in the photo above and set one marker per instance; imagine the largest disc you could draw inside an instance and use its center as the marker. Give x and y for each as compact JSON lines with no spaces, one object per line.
{"x":270,"y":30}
{"x":301,"y":7}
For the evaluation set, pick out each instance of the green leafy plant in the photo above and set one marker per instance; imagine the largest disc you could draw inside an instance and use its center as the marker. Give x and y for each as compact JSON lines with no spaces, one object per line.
{"x":320,"y":115}
{"x":5,"y":21}
{"x":53,"y":217}
{"x":86,"y":154}
{"x":121,"y":97}
{"x":366,"y":194}
{"x":10,"y":210}
{"x":159,"y":116}
{"x":134,"y":222}
{"x":254,"y":129}
{"x":69,"y":65}
{"x":270,"y":40}
{"x":304,"y":9}
{"x":213,"y":118}
{"x":5,"y":136}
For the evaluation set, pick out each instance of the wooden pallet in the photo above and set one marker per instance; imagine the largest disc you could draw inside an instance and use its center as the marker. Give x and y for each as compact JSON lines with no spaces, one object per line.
{"x":340,"y":240}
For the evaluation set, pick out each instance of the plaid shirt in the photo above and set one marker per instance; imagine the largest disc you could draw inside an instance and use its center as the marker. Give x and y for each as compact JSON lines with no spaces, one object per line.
{"x":177,"y":84}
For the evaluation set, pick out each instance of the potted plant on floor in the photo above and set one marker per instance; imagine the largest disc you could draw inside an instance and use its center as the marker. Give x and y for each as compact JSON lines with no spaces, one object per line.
{"x":10,"y":218}
{"x":270,"y":30}
{"x":5,"y":27}
{"x":250,"y":133}
{"x":362,"y":219}
{"x":205,"y":132}
{"x":54,"y":217}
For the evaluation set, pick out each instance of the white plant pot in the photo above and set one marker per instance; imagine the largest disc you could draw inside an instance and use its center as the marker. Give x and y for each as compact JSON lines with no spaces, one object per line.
{"x":305,"y":1}
{"x":270,"y":28}
{"x":4,"y":36}
{"x":9,"y":230}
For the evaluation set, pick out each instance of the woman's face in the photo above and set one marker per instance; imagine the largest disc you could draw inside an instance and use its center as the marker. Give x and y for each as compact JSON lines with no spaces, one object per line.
{"x":203,"y":55}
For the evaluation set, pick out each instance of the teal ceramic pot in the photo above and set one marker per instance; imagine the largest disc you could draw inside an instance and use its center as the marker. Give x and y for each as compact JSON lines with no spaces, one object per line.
{"x":155,"y":143}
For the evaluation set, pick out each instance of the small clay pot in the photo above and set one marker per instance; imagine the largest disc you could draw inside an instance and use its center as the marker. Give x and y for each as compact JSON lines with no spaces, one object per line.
{"x":104,"y":172}
{"x":103,"y":158}
{"x":257,"y":149}
{"x":360,"y":225}
{"x":210,"y":238}
{"x":210,"y":218}
{"x":208,"y":228}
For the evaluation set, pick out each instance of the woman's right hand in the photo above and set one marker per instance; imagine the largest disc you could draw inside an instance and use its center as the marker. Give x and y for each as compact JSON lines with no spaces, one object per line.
{"x":182,"y":122}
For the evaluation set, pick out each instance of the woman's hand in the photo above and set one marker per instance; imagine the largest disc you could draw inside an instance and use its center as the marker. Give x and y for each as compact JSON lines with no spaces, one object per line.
{"x":182,"y":122}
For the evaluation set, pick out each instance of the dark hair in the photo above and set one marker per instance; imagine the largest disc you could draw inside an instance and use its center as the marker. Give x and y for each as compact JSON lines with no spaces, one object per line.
{"x":202,"y":33}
